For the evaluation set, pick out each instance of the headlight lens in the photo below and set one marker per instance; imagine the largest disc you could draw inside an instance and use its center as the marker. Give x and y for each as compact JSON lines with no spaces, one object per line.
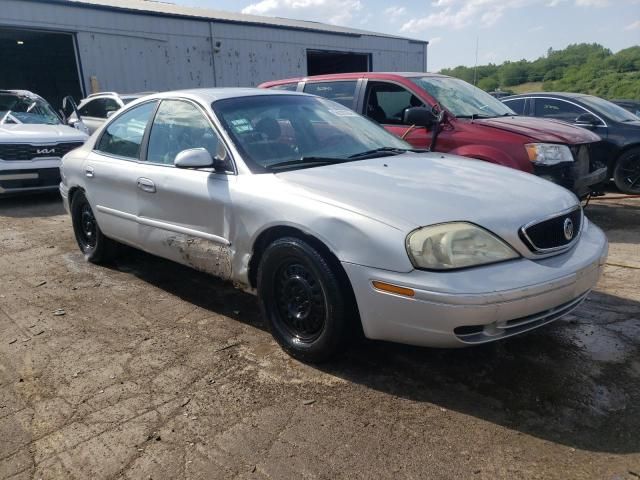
{"x":455,"y":245}
{"x":548,"y":153}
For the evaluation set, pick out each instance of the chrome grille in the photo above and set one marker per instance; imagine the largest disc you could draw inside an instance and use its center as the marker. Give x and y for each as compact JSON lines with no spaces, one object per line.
{"x":551,"y":234}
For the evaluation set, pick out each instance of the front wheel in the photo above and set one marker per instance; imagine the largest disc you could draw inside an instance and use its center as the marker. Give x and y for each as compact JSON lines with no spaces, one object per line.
{"x":627,"y":172}
{"x":304,"y":300}
{"x":94,"y":245}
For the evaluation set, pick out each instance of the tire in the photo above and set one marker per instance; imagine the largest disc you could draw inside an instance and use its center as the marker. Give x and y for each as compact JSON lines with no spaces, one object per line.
{"x":94,"y":245}
{"x":627,"y":172}
{"x":304,"y":300}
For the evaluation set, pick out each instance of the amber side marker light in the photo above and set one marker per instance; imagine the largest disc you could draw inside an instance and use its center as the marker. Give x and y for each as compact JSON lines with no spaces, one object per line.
{"x":387,"y":287}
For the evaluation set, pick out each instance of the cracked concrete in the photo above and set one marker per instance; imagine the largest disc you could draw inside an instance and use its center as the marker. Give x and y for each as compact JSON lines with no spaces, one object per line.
{"x":157,"y":371}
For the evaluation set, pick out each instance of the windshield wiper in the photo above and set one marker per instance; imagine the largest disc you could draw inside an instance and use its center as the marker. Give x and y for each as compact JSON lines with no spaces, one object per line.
{"x":305,"y":162}
{"x":378,"y":151}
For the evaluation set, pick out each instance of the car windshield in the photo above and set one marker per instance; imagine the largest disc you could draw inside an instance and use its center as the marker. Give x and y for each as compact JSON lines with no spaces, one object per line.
{"x":461,"y":98}
{"x":16,"y":109}
{"x":279,"y":132}
{"x":611,"y":110}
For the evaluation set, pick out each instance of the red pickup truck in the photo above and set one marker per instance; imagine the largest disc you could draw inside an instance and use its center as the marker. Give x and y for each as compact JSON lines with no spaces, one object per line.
{"x":449,"y":115}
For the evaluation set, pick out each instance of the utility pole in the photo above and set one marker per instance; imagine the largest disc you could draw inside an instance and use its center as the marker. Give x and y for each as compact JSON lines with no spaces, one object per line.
{"x":475,"y":68}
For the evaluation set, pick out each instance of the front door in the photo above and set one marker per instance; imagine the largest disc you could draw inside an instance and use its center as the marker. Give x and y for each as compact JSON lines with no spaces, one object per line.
{"x":183,"y":213}
{"x":111,"y":172}
{"x":385,"y":103}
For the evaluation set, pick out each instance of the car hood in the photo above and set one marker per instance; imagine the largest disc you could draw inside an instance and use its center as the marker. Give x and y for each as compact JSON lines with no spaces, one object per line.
{"x":413,"y":190}
{"x":541,"y":129}
{"x":39,"y":133}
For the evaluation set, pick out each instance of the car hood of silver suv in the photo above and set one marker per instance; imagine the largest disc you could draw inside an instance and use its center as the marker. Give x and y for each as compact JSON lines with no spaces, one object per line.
{"x":39,"y":133}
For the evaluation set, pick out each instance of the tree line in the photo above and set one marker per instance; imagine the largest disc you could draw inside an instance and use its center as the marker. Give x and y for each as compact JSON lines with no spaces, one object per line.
{"x":582,"y":68}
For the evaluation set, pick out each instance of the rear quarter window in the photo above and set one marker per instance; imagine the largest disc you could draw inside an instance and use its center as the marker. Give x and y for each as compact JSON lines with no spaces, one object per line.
{"x":342,"y":92}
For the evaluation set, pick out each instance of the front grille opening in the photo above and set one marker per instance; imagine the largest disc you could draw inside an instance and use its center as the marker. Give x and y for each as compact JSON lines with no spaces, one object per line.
{"x":549,"y":234}
{"x":25,"y":152}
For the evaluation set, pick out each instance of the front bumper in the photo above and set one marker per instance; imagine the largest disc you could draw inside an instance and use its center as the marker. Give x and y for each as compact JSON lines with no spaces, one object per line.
{"x":478,"y":305}
{"x":29,"y":180}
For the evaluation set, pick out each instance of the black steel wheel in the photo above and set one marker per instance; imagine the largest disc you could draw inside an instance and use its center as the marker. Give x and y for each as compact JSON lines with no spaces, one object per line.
{"x":96,"y":247}
{"x":627,"y":172}
{"x":309,"y":310}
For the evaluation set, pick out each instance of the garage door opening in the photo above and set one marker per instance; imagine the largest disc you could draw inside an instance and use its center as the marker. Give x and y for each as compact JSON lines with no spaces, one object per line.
{"x":42,"y":62}
{"x":320,"y":62}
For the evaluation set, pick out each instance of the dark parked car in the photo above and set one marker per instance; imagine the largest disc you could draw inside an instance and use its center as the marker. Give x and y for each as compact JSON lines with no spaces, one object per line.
{"x":618,"y":128}
{"x":632,"y":105}
{"x":449,"y":115}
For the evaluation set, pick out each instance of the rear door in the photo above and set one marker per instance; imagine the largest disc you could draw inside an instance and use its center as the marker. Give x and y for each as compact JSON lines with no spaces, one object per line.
{"x":184,"y":214}
{"x":112,"y":170}
{"x":385,"y":103}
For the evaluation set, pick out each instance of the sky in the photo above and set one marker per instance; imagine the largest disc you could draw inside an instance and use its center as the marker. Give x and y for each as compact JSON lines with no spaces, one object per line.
{"x":503,"y":29}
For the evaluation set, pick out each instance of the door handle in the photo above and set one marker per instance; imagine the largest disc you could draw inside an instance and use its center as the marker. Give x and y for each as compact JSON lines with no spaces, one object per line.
{"x":88,"y":171}
{"x":146,"y":185}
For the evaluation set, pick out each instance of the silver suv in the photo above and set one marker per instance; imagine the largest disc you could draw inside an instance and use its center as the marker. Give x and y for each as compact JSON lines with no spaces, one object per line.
{"x":33,"y":139}
{"x":97,"y":107}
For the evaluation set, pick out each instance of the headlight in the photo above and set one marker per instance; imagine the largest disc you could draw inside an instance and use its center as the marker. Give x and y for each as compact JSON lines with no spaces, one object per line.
{"x":548,"y":153}
{"x":455,"y":245}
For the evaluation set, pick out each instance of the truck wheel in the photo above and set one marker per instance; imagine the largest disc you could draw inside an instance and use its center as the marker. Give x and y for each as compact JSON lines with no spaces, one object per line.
{"x":306,"y":306}
{"x":627,"y":172}
{"x":96,"y":247}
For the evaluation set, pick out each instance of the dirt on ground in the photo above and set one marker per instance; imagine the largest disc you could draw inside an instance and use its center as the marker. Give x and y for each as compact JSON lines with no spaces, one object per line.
{"x":148,"y":369}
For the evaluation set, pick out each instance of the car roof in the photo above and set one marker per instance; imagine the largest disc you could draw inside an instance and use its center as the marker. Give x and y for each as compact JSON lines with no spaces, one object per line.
{"x":547,"y":94}
{"x":352,"y":75}
{"x":214,"y":94}
{"x":24,"y":93}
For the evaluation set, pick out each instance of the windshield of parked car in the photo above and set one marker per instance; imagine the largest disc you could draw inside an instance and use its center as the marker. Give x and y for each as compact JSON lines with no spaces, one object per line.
{"x":461,"y":98}
{"x":609,"y":109}
{"x":24,"y":109}
{"x":279,"y":132}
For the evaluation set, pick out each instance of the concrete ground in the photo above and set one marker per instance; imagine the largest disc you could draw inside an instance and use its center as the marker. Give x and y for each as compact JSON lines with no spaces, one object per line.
{"x":151,"y":370}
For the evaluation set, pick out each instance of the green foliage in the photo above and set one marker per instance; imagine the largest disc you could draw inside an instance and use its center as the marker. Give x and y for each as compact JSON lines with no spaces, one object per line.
{"x":583,"y":68}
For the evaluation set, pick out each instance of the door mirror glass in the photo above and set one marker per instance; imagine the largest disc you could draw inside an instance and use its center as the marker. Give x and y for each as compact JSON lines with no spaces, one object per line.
{"x":194,"y":158}
{"x":587,"y":119}
{"x":419,"y":116}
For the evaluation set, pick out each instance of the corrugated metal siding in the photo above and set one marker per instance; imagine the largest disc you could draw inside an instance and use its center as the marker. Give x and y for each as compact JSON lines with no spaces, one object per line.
{"x":130,"y":52}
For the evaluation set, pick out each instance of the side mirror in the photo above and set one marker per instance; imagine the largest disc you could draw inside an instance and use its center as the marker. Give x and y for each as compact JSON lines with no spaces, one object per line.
{"x":199,"y":158}
{"x":419,"y":116}
{"x":110,"y":113}
{"x":79,"y":125}
{"x":587,"y":119}
{"x":194,"y":158}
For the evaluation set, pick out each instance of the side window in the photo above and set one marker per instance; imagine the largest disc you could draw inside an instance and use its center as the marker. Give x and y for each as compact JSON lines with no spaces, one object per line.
{"x":93,"y":108}
{"x":557,"y":109}
{"x":517,"y":105}
{"x":178,"y":126}
{"x":110,"y":105}
{"x":292,"y":87}
{"x":342,"y":92}
{"x":123,"y":136}
{"x":386,"y":102}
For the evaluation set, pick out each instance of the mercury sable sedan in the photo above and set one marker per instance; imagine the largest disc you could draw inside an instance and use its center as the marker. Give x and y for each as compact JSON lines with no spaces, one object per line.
{"x":338,"y":226}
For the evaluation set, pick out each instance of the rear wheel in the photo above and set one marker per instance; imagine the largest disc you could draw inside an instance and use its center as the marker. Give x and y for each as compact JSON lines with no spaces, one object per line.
{"x":96,"y":247}
{"x":627,"y":172}
{"x":303,"y":299}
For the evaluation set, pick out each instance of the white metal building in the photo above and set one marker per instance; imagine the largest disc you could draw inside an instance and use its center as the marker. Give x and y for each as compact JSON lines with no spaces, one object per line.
{"x":60,"y":47}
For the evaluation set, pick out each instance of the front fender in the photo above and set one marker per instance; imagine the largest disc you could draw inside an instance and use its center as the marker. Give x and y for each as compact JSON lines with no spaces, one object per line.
{"x":351,"y":237}
{"x":490,"y":154}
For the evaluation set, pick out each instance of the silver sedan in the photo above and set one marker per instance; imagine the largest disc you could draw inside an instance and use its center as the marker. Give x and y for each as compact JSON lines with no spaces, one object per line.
{"x":338,"y":226}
